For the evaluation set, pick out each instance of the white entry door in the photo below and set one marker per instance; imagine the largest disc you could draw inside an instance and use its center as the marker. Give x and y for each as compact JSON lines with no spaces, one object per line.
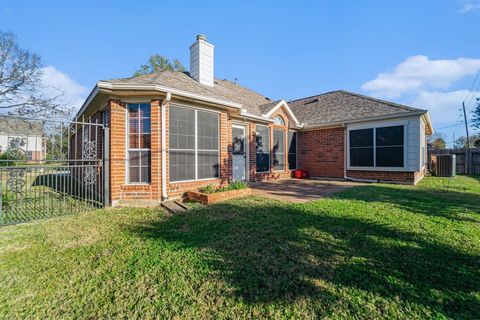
{"x":239,"y":151}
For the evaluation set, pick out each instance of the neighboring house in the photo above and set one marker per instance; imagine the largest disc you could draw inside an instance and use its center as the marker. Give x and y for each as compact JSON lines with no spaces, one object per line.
{"x":173,"y":131}
{"x":26,"y":137}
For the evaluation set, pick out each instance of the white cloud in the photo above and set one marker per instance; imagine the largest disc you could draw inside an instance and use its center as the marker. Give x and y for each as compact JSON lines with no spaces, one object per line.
{"x":58,"y":84}
{"x":443,"y":106}
{"x":469,"y":6}
{"x":420,"y":73}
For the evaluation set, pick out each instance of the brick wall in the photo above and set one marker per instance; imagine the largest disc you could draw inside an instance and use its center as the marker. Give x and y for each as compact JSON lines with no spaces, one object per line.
{"x":385,"y":176}
{"x":321,"y":152}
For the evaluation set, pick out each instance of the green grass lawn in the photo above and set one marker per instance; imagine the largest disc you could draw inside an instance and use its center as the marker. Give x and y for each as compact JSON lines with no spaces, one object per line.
{"x":378,"y":251}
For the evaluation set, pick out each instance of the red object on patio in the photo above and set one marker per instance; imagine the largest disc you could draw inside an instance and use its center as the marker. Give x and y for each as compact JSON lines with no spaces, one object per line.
{"x":300,"y":174}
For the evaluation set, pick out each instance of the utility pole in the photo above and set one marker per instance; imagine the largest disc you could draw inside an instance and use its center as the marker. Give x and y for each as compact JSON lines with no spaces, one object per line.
{"x":466,"y":125}
{"x":467,"y":161}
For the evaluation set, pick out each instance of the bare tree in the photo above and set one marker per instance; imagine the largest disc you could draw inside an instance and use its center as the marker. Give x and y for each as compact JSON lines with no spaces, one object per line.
{"x":21,"y":90}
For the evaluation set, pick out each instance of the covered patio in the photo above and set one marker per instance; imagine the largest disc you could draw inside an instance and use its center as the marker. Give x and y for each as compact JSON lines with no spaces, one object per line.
{"x":300,"y":190}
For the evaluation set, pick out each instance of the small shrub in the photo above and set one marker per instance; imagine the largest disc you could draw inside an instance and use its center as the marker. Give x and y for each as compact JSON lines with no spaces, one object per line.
{"x":208,"y":189}
{"x":237,"y":185}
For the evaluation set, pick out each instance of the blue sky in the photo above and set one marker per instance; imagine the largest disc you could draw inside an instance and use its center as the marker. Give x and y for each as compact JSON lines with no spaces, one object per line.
{"x":422,"y":53}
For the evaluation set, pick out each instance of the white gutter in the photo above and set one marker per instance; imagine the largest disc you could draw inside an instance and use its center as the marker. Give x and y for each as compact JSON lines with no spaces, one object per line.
{"x":245,"y":113}
{"x":164,"y":147}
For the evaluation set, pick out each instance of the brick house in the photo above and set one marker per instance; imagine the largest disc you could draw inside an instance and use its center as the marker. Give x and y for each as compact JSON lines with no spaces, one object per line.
{"x":174,"y":131}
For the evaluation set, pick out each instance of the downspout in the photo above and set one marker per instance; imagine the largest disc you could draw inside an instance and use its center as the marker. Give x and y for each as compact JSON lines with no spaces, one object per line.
{"x":345,"y":176}
{"x":164,"y":147}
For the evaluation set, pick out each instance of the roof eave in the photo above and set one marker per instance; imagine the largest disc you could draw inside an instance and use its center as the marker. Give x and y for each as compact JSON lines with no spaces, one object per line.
{"x":160,"y":88}
{"x":428,"y":122}
{"x":87,"y":102}
{"x":246,"y":114}
{"x":284,"y":104}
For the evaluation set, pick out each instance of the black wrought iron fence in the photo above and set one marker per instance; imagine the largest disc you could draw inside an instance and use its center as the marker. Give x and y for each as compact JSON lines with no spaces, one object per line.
{"x":50,"y":168}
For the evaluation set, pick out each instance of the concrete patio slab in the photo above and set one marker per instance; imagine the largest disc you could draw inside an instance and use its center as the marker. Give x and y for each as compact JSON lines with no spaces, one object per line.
{"x":300,"y":190}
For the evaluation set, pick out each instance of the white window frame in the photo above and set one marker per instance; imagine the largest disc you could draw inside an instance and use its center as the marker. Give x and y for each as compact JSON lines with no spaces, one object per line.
{"x":280,"y":122}
{"x":285,"y":152}
{"x":127,"y":147}
{"x":245,"y":126}
{"x":196,"y":109}
{"x":374,"y":126}
{"x":269,"y":148}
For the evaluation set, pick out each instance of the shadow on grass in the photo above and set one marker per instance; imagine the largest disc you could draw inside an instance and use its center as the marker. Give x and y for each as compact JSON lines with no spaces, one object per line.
{"x":272,"y":252}
{"x":67,"y":184}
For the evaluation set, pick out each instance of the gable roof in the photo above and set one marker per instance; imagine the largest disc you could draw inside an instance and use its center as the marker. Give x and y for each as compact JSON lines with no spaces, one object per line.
{"x":279,"y":104}
{"x":344,"y":106}
{"x":223,"y":90}
{"x":331,"y":108}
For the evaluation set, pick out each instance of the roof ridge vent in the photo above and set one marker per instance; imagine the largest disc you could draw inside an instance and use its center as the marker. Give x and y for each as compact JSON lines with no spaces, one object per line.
{"x":311,"y":101}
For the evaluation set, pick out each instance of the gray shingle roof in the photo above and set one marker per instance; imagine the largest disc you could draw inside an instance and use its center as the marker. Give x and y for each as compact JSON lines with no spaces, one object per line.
{"x":268,"y":106}
{"x":22,"y":127}
{"x":335,"y":106}
{"x":222,"y":89}
{"x":339,"y":106}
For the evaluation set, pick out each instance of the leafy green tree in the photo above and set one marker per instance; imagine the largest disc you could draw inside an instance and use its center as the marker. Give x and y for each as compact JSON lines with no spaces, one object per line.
{"x":158,"y":63}
{"x":476,"y":115}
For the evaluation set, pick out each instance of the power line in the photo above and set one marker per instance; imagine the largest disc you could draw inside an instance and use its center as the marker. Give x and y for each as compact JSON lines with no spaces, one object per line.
{"x":473,"y":93}
{"x":470,"y":92}
{"x":453,"y":125}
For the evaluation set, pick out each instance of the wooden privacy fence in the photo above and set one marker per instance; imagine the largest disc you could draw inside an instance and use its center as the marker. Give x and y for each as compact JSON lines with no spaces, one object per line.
{"x":467,"y":160}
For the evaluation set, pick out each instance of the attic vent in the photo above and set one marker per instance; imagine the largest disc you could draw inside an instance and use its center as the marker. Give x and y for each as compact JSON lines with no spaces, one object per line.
{"x":311,"y":101}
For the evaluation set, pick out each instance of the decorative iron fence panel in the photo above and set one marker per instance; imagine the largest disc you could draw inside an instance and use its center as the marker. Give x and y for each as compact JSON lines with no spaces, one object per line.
{"x":50,"y":168}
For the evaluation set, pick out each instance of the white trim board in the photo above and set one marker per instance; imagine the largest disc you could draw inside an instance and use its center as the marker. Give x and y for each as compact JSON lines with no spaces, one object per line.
{"x":284,"y":104}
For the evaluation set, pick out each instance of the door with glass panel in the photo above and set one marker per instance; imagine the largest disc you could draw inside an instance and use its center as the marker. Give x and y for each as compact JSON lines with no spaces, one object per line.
{"x":239,"y":152}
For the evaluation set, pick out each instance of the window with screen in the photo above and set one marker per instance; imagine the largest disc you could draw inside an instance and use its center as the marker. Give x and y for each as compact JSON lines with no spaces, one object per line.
{"x":361,"y":148}
{"x":389,"y":147}
{"x":263,"y":148}
{"x":138,"y":143}
{"x":207,"y":154}
{"x":292,"y":150}
{"x":193,"y":144}
{"x":377,"y":147}
{"x":278,"y":149}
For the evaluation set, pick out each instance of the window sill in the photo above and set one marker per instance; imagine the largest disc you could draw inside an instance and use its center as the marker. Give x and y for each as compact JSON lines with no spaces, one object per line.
{"x":194,"y":180}
{"x":143,"y":186}
{"x":377,"y":168}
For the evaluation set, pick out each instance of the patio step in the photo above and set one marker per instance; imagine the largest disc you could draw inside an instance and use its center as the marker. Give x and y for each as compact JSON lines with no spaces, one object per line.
{"x":174,"y":206}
